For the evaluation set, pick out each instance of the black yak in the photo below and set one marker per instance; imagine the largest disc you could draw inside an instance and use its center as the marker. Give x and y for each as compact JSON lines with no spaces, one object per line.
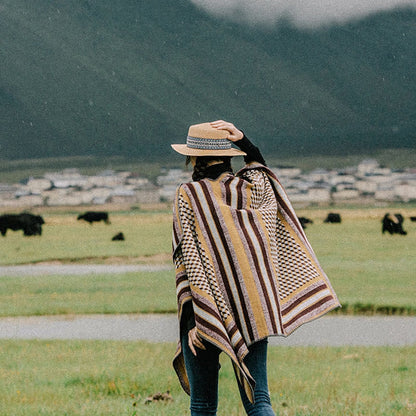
{"x":118,"y":237}
{"x":393,"y":224}
{"x":333,"y":218}
{"x":29,"y":223}
{"x":304,"y":221}
{"x":94,"y":216}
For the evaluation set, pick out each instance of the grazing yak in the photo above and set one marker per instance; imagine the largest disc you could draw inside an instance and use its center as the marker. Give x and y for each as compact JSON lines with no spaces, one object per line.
{"x":393,"y":224}
{"x":304,"y":221}
{"x":94,"y":216}
{"x":118,"y":237}
{"x":333,"y":218}
{"x":29,"y":223}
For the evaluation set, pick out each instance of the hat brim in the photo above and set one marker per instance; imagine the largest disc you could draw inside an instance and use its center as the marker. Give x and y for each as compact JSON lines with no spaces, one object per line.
{"x":183,"y":149}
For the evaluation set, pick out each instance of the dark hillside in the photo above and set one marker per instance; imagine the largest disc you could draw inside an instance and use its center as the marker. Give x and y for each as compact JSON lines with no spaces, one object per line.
{"x":126,"y":77}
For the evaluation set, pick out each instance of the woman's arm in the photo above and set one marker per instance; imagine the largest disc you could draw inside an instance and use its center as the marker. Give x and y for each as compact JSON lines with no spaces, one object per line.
{"x":188,"y":317}
{"x":253,"y":152}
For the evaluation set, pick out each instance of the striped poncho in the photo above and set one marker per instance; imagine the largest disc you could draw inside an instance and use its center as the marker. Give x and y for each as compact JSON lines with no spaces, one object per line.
{"x":242,"y":258}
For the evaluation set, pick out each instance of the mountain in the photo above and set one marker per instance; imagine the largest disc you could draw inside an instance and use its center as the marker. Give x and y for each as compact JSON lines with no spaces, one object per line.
{"x":127,"y":77}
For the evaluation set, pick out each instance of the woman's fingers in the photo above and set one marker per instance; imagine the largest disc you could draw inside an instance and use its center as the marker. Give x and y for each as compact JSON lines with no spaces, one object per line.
{"x":191,"y":347}
{"x":234,"y":135}
{"x":191,"y":340}
{"x":195,"y":341}
{"x":198,"y":343}
{"x":223,"y":125}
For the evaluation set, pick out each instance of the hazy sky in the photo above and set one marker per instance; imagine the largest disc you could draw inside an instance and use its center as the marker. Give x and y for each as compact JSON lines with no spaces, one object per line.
{"x":304,"y":13}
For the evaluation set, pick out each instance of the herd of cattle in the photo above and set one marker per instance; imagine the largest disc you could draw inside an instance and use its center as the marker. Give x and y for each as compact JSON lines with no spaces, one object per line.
{"x":32,"y":224}
{"x":391,"y":223}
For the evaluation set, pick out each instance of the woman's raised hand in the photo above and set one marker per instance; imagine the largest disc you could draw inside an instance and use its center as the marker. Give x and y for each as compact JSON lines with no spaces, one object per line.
{"x":234,"y":135}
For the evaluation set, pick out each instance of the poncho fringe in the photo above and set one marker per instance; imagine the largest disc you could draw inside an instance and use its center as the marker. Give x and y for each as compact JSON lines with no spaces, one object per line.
{"x":243,"y":260}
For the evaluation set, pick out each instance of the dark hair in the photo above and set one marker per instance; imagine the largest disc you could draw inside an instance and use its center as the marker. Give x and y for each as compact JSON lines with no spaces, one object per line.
{"x":202,"y":163}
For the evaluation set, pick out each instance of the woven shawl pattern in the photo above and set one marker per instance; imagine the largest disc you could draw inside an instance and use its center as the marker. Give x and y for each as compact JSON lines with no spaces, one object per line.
{"x":242,"y":258}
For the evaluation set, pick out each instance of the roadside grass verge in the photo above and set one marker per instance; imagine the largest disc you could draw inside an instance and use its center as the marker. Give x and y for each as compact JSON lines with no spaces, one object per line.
{"x":141,"y":292}
{"x":154,"y":292}
{"x":114,"y":378}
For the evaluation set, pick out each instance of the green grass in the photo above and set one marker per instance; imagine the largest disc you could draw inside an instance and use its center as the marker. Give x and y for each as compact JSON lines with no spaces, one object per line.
{"x":141,"y":292}
{"x":65,"y":238}
{"x":114,"y":378}
{"x":371,"y":273}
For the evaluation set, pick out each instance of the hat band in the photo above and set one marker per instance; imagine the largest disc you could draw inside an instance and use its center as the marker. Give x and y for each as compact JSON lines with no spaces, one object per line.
{"x":207,"y":144}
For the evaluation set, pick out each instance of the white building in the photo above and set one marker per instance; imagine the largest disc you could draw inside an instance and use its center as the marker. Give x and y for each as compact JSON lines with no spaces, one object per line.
{"x":366,"y":187}
{"x":286,"y":171}
{"x":67,"y":178}
{"x":367,"y":166}
{"x":37,"y":185}
{"x":346,"y":194}
{"x":406,"y":191}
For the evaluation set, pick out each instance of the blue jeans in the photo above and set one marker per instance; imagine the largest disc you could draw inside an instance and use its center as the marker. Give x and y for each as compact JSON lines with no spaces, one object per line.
{"x":203,"y":370}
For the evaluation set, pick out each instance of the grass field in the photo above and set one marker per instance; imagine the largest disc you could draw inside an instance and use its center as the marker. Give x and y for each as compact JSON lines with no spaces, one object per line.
{"x":148,"y":292}
{"x":370,"y":272}
{"x":144,"y":292}
{"x":114,"y":378}
{"x":66,"y":239}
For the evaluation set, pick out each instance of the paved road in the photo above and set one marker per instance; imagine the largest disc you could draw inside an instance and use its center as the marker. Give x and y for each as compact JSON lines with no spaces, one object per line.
{"x":331,"y":330}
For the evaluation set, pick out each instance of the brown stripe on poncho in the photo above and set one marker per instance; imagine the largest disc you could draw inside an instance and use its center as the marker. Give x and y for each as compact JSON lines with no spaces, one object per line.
{"x":242,"y":258}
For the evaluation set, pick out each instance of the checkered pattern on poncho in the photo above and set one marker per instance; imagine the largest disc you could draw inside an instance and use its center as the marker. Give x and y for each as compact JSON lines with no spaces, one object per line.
{"x":243,"y":259}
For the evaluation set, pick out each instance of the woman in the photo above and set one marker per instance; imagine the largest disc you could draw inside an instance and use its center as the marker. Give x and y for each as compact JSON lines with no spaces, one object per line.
{"x":244,"y":268}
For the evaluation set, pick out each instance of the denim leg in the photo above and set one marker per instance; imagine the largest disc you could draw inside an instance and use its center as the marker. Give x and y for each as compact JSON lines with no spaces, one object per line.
{"x":202,"y":372}
{"x":256,"y":362}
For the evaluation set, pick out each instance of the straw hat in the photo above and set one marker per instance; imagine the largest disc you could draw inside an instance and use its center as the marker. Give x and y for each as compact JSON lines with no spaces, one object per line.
{"x":204,"y":140}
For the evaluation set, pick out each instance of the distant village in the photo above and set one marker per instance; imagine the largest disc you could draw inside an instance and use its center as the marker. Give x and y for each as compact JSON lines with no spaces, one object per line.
{"x":367,"y":183}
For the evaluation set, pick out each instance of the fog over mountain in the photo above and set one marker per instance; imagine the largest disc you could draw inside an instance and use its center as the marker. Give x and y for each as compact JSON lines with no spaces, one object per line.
{"x":303,"y":13}
{"x":127,"y":77}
